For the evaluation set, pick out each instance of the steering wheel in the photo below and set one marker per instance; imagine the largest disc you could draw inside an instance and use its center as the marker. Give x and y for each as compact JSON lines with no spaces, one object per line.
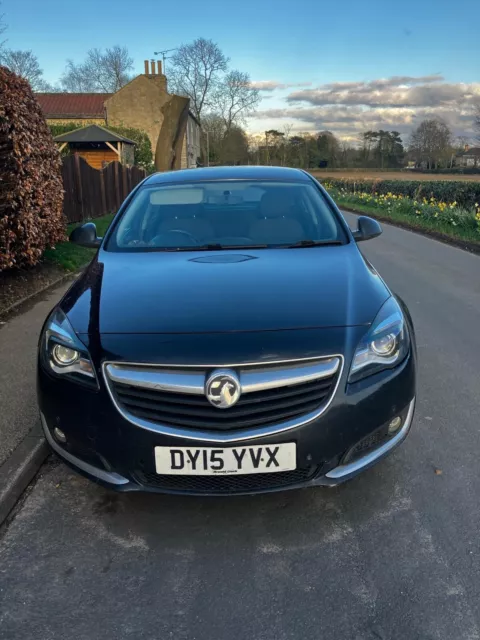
{"x":154,"y":241}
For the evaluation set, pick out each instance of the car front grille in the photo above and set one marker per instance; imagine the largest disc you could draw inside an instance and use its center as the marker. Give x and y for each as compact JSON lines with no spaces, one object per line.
{"x":248,"y":483}
{"x":259,"y":408}
{"x":277,"y":393}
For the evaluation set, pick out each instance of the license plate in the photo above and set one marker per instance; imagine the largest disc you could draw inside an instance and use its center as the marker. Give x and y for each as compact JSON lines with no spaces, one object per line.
{"x":209,"y":461}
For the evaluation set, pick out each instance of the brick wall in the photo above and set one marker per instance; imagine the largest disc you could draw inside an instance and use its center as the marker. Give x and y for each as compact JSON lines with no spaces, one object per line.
{"x":138,"y":104}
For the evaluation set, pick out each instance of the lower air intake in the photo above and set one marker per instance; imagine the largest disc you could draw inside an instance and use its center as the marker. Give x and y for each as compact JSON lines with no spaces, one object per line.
{"x":248,"y":483}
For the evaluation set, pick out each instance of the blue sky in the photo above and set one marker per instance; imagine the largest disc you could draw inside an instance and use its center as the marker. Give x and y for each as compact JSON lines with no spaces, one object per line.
{"x":306,"y":41}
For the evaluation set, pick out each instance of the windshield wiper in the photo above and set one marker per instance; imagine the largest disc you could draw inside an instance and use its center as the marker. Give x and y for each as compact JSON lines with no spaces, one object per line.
{"x":313,"y":243}
{"x":222,"y":247}
{"x":232,"y":247}
{"x":216,"y":247}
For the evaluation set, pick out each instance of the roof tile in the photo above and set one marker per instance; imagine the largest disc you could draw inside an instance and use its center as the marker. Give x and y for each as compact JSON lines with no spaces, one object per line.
{"x":73,"y":105}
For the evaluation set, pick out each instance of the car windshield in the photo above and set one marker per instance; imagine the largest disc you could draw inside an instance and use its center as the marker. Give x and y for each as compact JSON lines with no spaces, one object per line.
{"x":229,"y":214}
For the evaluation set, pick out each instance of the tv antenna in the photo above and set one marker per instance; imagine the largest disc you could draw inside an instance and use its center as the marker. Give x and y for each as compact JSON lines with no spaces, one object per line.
{"x":164,"y":55}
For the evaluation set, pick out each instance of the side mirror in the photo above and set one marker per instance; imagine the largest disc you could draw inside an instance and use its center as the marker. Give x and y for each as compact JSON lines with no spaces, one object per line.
{"x":86,"y":236}
{"x":368,"y":228}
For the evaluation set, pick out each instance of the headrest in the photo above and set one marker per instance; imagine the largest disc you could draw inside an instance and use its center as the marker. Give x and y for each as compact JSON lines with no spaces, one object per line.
{"x":179,"y":211}
{"x":276,"y":204}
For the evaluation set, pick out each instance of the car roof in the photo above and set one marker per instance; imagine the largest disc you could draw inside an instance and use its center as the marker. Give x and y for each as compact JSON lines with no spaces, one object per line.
{"x":230,"y":173}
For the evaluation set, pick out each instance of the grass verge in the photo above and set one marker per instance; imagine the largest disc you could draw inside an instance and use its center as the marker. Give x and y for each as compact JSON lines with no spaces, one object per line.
{"x":459,"y":236}
{"x":71,"y":257}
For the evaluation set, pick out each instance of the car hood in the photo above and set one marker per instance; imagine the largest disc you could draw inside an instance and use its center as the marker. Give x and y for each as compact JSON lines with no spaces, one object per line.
{"x":227,"y":291}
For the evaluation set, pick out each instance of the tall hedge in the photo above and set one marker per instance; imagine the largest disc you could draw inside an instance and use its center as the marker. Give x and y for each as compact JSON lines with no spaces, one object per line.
{"x":465,"y":194}
{"x":31,"y":190}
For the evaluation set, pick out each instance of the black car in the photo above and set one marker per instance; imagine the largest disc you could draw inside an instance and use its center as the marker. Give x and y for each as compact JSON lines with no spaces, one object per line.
{"x":228,"y":337}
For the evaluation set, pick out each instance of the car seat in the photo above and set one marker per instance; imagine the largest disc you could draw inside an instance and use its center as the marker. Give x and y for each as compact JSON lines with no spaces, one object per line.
{"x":277,"y":224}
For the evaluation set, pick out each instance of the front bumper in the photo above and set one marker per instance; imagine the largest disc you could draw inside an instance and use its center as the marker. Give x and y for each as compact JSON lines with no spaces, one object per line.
{"x":107,"y":448}
{"x":335,"y":476}
{"x":344,"y":472}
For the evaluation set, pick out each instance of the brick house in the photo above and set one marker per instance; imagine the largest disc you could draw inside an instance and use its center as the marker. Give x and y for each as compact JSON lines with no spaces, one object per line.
{"x":144,"y":103}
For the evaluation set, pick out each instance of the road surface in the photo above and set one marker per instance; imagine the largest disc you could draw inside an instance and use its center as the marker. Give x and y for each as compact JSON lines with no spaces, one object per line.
{"x":394,"y":554}
{"x":18,"y":344}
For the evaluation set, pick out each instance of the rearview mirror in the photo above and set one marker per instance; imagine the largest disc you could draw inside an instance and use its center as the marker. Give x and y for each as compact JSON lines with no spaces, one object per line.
{"x":368,"y":228}
{"x":86,"y":236}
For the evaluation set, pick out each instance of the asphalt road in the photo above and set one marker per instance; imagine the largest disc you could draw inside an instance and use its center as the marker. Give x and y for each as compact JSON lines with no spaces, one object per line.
{"x":394,"y":554}
{"x":18,"y":343}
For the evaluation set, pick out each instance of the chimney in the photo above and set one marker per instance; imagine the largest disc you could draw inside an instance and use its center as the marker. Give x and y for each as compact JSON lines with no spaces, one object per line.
{"x":467,"y":147}
{"x":153,"y":75}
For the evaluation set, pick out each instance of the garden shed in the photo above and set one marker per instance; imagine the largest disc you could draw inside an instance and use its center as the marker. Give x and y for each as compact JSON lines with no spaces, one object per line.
{"x":98,"y":145}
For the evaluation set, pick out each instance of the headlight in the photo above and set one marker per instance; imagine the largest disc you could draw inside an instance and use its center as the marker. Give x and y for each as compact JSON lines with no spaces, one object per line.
{"x":63,"y":353}
{"x":385,"y":345}
{"x":63,"y":356}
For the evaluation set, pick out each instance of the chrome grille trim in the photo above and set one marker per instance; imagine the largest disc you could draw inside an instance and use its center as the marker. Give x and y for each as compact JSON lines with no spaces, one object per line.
{"x":333,"y":364}
{"x":174,"y":381}
{"x":190,"y":382}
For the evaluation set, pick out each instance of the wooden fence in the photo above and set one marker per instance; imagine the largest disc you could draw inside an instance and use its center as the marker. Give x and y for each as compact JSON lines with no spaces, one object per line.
{"x":91,"y":193}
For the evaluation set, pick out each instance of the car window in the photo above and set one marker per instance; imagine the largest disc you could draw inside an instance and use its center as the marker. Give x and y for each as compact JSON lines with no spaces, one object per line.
{"x":233,"y":213}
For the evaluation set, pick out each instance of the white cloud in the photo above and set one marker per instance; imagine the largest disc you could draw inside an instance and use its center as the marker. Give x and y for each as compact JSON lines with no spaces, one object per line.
{"x":272,"y":85}
{"x":393,"y":92}
{"x":397,"y":103}
{"x":383,"y":82}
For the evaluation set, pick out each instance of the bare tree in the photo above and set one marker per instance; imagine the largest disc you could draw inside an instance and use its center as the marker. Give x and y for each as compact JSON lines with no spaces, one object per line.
{"x":225,"y":147}
{"x":274,"y":144}
{"x":287,"y":130}
{"x":254,"y":141}
{"x":367,"y":138}
{"x":24,"y":64}
{"x":461,"y":144}
{"x":214,"y":129}
{"x":235,"y":98}
{"x":3,"y":28}
{"x":195,"y":72}
{"x":235,"y":146}
{"x":101,"y":72}
{"x":328,"y":149}
{"x":430,"y":142}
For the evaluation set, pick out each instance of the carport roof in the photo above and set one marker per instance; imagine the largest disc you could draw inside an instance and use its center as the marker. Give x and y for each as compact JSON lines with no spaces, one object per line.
{"x":92,"y":133}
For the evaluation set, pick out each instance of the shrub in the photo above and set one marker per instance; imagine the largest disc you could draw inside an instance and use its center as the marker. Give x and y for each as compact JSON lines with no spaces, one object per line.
{"x":31,"y":190}
{"x":143,"y":148}
{"x":466,"y":194}
{"x":59,"y":129}
{"x":453,"y":170}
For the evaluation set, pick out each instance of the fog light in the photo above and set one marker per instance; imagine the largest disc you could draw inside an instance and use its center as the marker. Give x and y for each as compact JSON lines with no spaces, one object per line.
{"x":64,"y":356}
{"x":394,"y":425}
{"x":59,"y":435}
